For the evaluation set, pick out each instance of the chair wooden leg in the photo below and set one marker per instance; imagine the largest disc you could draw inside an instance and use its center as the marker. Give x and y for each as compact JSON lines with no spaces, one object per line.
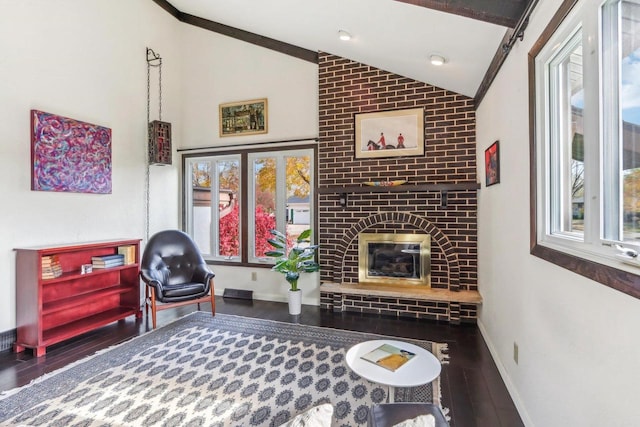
{"x":146,"y":300}
{"x":153,"y":307}
{"x":213,"y":298}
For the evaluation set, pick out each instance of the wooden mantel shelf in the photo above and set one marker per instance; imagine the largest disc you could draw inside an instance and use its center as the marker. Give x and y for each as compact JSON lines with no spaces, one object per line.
{"x":414,"y":292}
{"x":336,"y":189}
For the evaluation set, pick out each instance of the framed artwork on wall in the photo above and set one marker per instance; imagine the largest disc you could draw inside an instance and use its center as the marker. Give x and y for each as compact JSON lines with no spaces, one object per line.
{"x":244,"y":117}
{"x":68,"y":155}
{"x":492,"y":164}
{"x":389,"y":133}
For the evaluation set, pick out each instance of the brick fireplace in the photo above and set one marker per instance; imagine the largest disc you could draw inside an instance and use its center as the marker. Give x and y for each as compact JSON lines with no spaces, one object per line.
{"x":439,"y":198}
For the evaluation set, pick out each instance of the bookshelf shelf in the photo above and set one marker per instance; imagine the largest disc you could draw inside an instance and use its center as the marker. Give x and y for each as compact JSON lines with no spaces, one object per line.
{"x":53,"y":310}
{"x":77,"y":274}
{"x":81,"y":298}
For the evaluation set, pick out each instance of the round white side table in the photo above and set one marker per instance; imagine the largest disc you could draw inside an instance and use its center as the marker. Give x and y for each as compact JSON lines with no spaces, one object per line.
{"x":423,"y":368}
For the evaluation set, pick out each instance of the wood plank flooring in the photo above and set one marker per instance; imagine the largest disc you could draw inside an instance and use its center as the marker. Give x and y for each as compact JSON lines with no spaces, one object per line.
{"x":472,"y":388}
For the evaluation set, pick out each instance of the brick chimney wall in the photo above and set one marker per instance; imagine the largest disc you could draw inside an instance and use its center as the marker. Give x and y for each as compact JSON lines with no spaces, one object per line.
{"x":346,"y":88}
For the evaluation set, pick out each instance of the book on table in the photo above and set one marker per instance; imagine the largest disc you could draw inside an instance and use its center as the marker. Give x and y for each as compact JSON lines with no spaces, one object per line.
{"x":388,"y":356}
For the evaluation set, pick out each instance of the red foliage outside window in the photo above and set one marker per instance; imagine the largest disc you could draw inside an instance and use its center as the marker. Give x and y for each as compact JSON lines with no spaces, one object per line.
{"x":230,"y":234}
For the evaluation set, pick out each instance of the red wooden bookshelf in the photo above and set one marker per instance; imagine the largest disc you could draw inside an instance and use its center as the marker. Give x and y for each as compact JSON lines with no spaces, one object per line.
{"x":56,"y":309}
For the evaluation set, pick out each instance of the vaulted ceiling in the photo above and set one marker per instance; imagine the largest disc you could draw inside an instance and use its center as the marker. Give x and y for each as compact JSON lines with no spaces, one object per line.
{"x":394,"y":35}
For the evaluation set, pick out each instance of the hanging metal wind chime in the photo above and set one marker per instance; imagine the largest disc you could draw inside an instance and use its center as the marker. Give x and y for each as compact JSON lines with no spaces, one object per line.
{"x":159,"y":132}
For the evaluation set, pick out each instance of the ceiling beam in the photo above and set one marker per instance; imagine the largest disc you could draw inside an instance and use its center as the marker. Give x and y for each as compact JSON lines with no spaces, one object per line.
{"x":246,"y":36}
{"x":500,"y":12}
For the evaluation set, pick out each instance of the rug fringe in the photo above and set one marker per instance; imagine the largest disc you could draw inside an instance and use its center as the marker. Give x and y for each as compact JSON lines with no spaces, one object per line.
{"x":442,"y":352}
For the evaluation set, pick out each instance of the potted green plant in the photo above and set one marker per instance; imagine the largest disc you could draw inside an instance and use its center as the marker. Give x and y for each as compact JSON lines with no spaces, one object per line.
{"x":299,"y":259}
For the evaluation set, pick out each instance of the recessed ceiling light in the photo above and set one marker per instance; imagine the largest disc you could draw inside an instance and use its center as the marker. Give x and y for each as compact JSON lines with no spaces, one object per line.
{"x":344,"y":35}
{"x":437,"y":60}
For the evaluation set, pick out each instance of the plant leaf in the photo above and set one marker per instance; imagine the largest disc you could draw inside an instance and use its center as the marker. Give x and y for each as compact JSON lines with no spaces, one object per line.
{"x":275,"y":254}
{"x":276,"y":243}
{"x":304,"y":236}
{"x":279,"y":236}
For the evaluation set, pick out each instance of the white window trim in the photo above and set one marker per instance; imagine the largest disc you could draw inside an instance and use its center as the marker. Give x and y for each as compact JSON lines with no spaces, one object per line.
{"x":247,"y":201}
{"x":280,"y":203}
{"x":585,"y":16}
{"x":212,"y":253}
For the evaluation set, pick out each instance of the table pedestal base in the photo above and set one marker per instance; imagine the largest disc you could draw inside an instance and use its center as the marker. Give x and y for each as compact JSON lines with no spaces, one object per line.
{"x":391,"y":394}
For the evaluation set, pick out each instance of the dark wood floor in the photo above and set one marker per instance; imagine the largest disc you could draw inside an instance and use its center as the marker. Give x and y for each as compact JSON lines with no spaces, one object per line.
{"x":472,"y":388}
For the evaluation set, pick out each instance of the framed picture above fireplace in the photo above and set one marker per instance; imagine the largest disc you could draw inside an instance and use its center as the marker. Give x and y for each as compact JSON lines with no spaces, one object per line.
{"x":394,"y":259}
{"x":389,"y":133}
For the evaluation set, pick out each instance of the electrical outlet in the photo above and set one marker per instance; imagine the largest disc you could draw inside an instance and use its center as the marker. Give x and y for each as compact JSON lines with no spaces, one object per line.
{"x":254,"y":276}
{"x":515,"y":352}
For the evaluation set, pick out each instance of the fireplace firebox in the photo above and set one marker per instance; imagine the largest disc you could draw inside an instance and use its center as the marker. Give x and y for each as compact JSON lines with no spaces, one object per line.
{"x":394,"y":259}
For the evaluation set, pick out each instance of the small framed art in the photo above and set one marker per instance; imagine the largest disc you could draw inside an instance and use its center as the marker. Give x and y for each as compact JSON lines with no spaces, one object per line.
{"x":243,"y":118}
{"x":492,"y":164}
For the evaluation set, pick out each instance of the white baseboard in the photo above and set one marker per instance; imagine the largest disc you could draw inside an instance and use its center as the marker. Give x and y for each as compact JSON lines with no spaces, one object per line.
{"x":275,"y":297}
{"x":511,"y":388}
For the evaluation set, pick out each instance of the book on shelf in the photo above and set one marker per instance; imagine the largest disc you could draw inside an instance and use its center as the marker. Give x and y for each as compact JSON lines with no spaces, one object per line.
{"x":51,"y":273}
{"x":98,"y":266}
{"x":129,"y":252}
{"x":107,"y":257}
{"x":107,"y":261}
{"x":48,"y":260}
{"x":388,"y":356}
{"x":51,"y":267}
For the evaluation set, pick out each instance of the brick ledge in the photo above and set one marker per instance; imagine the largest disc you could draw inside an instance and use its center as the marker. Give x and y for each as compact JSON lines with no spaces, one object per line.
{"x":422,"y":294}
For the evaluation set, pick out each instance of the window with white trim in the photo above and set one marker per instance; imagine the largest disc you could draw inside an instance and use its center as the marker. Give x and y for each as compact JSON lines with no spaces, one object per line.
{"x":586,"y":77}
{"x":212,"y":205}
{"x":233,"y":200}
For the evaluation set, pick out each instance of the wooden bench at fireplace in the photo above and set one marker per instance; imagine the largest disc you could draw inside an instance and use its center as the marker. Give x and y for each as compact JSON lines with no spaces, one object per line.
{"x":418,"y":302}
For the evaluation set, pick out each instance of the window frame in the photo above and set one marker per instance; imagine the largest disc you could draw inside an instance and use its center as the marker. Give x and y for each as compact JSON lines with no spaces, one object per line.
{"x":246,"y":194}
{"x":599,"y":262}
{"x":188,"y":217}
{"x":281,"y":196}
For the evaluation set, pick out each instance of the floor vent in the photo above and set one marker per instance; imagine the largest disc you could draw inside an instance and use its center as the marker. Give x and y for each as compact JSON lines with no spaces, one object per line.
{"x":7,"y":339}
{"x":237,"y":293}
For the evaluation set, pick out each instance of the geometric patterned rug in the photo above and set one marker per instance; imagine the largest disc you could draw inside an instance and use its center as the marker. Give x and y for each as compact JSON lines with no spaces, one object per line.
{"x":211,"y":371}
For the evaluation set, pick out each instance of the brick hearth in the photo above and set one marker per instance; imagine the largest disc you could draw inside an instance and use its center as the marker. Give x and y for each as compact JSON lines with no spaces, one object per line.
{"x":415,"y":302}
{"x":439,"y":199}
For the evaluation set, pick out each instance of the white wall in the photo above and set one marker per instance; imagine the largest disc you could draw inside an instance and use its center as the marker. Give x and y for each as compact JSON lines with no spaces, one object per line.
{"x":84,"y":60}
{"x":578,"y":340}
{"x":217,"y":69}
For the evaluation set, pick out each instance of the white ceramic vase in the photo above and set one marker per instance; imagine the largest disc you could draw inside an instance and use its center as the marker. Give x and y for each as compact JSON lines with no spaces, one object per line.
{"x":295,"y":302}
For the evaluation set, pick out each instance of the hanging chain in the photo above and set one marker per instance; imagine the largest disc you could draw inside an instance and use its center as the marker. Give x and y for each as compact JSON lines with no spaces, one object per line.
{"x":151,"y":56}
{"x":147,"y":172}
{"x":160,"y":90}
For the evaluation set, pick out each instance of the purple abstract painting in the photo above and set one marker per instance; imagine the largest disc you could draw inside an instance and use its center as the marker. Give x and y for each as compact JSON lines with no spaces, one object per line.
{"x":69,"y":155}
